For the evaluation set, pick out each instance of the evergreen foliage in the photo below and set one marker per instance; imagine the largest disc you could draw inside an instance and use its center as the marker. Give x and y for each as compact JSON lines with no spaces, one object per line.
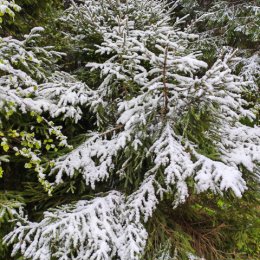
{"x":138,"y":139}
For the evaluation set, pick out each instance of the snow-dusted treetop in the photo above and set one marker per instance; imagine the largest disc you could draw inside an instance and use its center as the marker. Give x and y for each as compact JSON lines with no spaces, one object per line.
{"x":149,"y":87}
{"x":154,"y":92}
